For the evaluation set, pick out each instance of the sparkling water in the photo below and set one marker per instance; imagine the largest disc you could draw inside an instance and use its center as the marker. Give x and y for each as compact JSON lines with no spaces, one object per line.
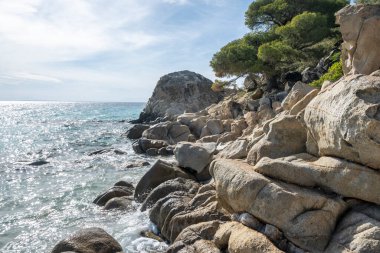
{"x":40,"y":205}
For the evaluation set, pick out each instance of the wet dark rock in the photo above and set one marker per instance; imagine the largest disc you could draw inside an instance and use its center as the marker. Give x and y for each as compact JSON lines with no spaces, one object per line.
{"x":38,"y":163}
{"x":115,"y":191}
{"x":159,"y":172}
{"x":152,"y":152}
{"x":136,"y":164}
{"x":124,"y":184}
{"x":164,"y":189}
{"x":89,"y":240}
{"x":136,"y":131}
{"x":107,"y":150}
{"x":124,"y":202}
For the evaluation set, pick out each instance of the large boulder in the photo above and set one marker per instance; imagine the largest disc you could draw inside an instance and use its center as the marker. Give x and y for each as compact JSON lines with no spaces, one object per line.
{"x":89,"y":240}
{"x":298,"y":91}
{"x":195,"y":156}
{"x":332,"y":174}
{"x":235,"y":150}
{"x":179,"y":92}
{"x":284,"y":135}
{"x":181,"y":209}
{"x":164,"y":189}
{"x":358,"y":231}
{"x":159,"y":172}
{"x":344,"y":120}
{"x":306,"y":217}
{"x":171,"y":132}
{"x":360,"y":26}
{"x":215,"y":236}
{"x":136,"y":131}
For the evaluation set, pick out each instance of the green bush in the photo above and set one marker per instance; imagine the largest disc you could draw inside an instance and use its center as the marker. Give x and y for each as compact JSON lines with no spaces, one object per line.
{"x":333,"y":74}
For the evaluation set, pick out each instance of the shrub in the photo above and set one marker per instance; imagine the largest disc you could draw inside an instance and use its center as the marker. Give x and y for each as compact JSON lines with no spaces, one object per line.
{"x":333,"y":74}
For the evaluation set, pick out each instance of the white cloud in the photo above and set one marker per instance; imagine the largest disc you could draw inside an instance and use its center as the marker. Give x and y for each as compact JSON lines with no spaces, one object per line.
{"x":176,"y":1}
{"x":126,"y":44}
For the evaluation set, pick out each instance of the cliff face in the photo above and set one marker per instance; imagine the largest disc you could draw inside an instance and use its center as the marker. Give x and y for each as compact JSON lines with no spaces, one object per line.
{"x":177,"y":93}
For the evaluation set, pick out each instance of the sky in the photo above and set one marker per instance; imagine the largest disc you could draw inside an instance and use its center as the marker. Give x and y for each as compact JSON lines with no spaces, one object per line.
{"x":108,"y":50}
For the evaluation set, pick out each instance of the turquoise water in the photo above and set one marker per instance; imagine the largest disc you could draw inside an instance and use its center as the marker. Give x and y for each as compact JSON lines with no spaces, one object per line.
{"x":40,"y":205}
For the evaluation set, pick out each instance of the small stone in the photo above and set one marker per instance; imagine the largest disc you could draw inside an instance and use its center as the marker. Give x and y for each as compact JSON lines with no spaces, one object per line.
{"x":152,"y":152}
{"x":273,"y":233}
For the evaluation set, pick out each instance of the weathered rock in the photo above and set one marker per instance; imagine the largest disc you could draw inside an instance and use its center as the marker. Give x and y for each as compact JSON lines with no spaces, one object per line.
{"x":145,"y":144}
{"x":195,"y":156}
{"x":89,"y":240}
{"x":181,"y":209}
{"x":227,"y":137}
{"x":177,"y":93}
{"x":164,"y":189}
{"x":298,"y":91}
{"x":160,"y":172}
{"x":344,"y":120}
{"x":210,"y":138}
{"x":238,"y":126}
{"x":228,"y":109}
{"x":250,"y":221}
{"x":300,"y":105}
{"x":125,"y":184}
{"x":196,"y":125}
{"x":135,"y":164}
{"x":306,"y":217}
{"x":359,"y":25}
{"x":257,"y":94}
{"x":171,"y":132}
{"x":152,"y":152}
{"x":235,"y":150}
{"x":215,"y":126}
{"x":115,"y":191}
{"x":333,"y":174}
{"x":136,"y":131}
{"x":119,"y":203}
{"x":358,"y":231}
{"x":285,"y":135}
{"x":238,"y":238}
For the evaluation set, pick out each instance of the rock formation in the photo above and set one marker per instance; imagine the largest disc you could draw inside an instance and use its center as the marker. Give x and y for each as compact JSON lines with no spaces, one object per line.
{"x":359,"y":25}
{"x":177,"y":93}
{"x":295,"y":171}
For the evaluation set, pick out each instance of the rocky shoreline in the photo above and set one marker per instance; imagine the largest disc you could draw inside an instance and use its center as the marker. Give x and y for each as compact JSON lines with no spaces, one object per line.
{"x":293,"y":170}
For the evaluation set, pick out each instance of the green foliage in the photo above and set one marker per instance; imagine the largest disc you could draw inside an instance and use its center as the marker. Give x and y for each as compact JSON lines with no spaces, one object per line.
{"x":236,"y":58}
{"x":305,"y":28}
{"x":263,"y":14}
{"x":286,"y":35}
{"x":333,"y":74}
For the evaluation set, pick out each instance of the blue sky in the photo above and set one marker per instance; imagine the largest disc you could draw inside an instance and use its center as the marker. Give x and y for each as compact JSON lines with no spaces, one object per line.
{"x":108,"y":50}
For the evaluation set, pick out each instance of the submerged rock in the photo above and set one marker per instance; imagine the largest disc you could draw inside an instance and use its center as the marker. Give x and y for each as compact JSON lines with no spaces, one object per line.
{"x":38,"y":163}
{"x":89,"y":240}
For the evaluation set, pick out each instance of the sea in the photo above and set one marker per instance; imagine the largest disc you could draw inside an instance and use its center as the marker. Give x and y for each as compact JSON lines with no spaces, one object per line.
{"x":41,"y":205}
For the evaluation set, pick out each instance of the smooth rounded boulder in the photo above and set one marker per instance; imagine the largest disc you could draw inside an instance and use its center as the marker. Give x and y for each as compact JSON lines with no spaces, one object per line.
{"x":89,"y":240}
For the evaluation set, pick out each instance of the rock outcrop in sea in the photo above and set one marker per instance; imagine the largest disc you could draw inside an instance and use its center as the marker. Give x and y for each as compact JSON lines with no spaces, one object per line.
{"x":178,"y":92}
{"x":273,"y":171}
